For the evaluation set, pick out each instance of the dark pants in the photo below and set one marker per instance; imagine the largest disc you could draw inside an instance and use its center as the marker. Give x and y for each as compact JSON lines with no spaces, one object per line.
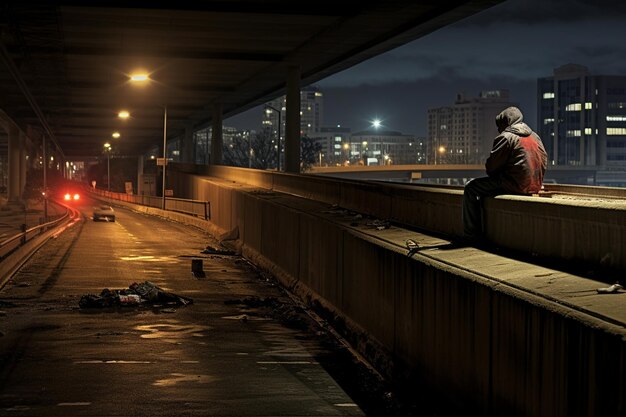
{"x":474,"y":191}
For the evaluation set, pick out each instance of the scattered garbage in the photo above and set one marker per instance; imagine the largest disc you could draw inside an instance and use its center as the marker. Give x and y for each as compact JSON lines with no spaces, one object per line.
{"x":380,"y":224}
{"x":611,"y":289}
{"x":136,"y":294}
{"x":412,"y":246}
{"x":214,"y":251}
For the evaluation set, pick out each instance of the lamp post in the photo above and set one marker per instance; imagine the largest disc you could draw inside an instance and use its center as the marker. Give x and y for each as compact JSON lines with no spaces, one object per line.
{"x":164,"y":154}
{"x":279,"y":129}
{"x":140,"y":78}
{"x":107,"y":149}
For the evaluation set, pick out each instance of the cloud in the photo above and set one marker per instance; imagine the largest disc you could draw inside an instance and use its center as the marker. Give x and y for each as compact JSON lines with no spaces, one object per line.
{"x":533,"y":12}
{"x":510,"y":50}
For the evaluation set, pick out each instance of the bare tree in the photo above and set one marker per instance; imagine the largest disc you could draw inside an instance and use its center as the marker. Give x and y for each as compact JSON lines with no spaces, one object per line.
{"x":256,"y":151}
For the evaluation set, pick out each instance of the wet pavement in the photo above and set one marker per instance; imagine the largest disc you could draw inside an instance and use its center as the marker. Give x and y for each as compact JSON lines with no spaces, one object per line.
{"x":244,"y":347}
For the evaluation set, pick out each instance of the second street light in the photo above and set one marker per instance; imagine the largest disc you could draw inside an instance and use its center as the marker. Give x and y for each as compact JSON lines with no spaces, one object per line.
{"x":107,"y":149}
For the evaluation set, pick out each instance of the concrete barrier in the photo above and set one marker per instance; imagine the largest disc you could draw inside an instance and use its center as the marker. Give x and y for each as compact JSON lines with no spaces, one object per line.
{"x":492,"y":347}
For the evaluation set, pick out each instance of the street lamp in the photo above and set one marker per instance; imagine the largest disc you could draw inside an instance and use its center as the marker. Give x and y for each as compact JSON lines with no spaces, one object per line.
{"x":107,"y":149}
{"x":139,"y":78}
{"x":441,"y":150}
{"x":268,"y":110}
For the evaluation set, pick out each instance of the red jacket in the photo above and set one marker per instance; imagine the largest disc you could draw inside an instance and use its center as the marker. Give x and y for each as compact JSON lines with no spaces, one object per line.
{"x":518,"y":158}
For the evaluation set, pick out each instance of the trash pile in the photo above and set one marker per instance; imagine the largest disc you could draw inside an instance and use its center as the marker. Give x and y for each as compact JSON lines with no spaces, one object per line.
{"x":136,"y":294}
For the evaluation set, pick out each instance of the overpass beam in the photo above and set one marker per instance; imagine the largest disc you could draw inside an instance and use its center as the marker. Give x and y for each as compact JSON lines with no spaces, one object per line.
{"x":217,"y":140}
{"x":292,"y":125}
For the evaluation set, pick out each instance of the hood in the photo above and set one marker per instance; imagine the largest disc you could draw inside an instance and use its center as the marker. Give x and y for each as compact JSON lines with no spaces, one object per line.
{"x":510,"y":120}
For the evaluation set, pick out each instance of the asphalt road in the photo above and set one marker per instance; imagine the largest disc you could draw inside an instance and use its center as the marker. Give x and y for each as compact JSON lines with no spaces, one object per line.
{"x":243,"y":348}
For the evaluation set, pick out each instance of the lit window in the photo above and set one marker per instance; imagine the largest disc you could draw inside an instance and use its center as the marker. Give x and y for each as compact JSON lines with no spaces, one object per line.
{"x":548,"y":95}
{"x":616,"y":131}
{"x":573,"y":133}
{"x":616,"y":118}
{"x":587,"y":131}
{"x":573,"y":107}
{"x":548,"y":121}
{"x":588,"y":106}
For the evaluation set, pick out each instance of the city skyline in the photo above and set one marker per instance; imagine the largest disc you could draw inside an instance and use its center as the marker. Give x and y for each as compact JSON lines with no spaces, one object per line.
{"x":473,"y":55}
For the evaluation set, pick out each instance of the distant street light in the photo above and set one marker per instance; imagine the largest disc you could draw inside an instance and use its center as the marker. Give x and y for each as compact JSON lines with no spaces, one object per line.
{"x":123,"y":114}
{"x":116,"y":135}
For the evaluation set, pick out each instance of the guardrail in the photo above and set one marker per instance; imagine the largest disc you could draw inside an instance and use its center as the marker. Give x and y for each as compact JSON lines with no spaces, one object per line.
{"x":196,"y":208}
{"x":11,"y":244}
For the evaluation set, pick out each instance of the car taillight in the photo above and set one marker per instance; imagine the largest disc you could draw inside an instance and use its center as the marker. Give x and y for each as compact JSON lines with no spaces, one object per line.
{"x":67,"y":197}
{"x":76,"y":197}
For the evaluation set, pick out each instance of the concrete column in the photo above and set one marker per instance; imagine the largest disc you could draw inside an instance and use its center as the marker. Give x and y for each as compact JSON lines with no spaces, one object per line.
{"x":140,"y":189}
{"x":23,"y":161}
{"x":217,"y":140}
{"x":14,"y":193}
{"x":292,"y":124}
{"x":186,"y":145}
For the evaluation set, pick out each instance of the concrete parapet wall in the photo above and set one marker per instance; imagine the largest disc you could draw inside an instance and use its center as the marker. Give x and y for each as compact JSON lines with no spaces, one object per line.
{"x":585,"y":230}
{"x":496,"y":349}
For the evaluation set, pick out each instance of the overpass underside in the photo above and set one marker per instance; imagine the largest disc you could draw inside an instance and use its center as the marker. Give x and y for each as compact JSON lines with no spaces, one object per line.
{"x":522,"y":331}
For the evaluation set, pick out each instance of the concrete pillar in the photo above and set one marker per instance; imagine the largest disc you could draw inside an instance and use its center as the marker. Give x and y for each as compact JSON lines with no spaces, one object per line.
{"x":140,"y":189}
{"x":14,"y":193}
{"x":292,"y":124}
{"x":216,"y":136}
{"x":23,"y":161}
{"x":186,"y":145}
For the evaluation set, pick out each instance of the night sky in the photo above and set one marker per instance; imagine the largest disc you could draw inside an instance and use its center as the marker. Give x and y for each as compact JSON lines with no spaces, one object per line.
{"x":505,"y":47}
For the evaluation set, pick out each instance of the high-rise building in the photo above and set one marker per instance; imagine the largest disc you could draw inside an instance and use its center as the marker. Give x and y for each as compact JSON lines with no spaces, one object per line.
{"x":464,"y":133}
{"x":582,"y":117}
{"x":311,"y":112}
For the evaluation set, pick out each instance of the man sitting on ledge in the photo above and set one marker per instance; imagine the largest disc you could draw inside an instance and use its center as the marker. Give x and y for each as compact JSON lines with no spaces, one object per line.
{"x":516,"y":165}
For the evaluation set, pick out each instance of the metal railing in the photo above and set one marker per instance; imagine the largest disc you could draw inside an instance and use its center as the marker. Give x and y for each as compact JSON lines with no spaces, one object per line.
{"x":9,"y":245}
{"x":196,"y":208}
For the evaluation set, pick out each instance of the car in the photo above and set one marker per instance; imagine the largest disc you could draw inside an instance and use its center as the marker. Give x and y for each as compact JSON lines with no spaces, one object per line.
{"x":71,"y":197}
{"x":103,"y":212}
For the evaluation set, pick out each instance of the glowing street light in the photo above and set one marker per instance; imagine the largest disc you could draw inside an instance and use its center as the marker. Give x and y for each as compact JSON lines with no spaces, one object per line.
{"x":116,"y":135}
{"x":140,"y":78}
{"x":123,"y":114}
{"x":376,"y":123}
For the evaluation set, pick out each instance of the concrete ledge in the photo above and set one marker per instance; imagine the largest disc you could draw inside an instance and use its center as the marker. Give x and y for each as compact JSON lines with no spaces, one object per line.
{"x":581,"y":230}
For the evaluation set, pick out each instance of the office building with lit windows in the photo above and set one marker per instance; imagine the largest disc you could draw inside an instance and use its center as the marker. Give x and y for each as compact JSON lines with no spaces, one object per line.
{"x":463,"y":133}
{"x":311,"y":112}
{"x":581,"y":117}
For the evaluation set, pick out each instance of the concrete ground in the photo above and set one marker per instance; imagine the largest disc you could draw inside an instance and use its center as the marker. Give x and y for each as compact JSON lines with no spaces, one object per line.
{"x":243,"y":347}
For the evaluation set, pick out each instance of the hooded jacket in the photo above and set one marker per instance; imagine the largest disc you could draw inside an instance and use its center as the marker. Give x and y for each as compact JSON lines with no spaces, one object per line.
{"x":518,"y":158}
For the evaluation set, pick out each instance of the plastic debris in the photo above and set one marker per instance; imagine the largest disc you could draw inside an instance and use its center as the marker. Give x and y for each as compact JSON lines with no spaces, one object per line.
{"x":610,"y":290}
{"x":215,"y":251}
{"x":412,"y":246}
{"x":380,"y":224}
{"x":136,"y":294}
